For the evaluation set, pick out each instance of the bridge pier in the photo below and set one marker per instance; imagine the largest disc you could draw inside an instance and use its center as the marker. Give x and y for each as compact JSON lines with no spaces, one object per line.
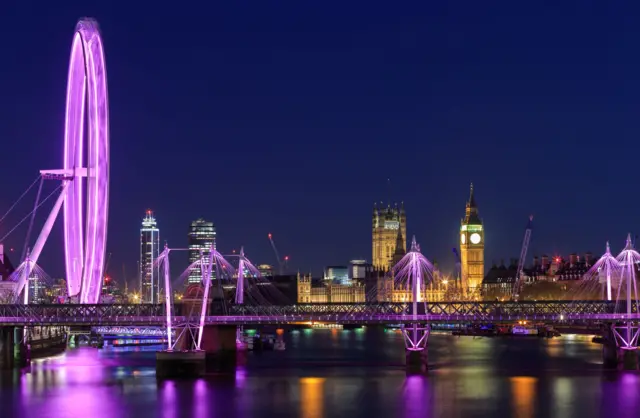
{"x":13,"y":351}
{"x":417,"y":362}
{"x":416,"y":340}
{"x":616,"y":357}
{"x":218,"y":354}
{"x":219,"y":344}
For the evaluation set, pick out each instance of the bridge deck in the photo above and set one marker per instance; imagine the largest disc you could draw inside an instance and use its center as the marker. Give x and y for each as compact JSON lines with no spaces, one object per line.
{"x":365,"y":313}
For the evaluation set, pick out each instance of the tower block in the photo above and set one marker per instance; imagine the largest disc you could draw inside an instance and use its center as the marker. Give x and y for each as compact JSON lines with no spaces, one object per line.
{"x":387,"y":225}
{"x":471,"y":249}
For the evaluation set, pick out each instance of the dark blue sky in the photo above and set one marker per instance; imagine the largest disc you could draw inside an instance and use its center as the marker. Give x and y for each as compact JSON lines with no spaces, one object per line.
{"x":288,"y":117}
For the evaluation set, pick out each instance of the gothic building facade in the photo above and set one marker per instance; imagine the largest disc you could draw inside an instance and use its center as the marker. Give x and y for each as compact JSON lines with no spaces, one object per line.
{"x":388,"y":223}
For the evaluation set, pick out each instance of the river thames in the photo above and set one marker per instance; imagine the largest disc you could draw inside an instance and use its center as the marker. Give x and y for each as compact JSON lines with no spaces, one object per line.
{"x":336,"y":373}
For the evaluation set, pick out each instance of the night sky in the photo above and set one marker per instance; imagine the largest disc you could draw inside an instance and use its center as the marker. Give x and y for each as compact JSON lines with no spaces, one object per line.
{"x":290,"y":117}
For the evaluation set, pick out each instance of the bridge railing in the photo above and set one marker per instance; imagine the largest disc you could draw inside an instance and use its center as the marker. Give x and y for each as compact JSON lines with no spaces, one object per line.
{"x":148,"y":313}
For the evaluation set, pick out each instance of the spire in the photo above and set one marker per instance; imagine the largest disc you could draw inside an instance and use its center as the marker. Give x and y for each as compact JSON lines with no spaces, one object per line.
{"x":399,"y":243}
{"x":608,"y":248}
{"x":472,"y":200}
{"x":471,"y":211}
{"x":399,"y":251}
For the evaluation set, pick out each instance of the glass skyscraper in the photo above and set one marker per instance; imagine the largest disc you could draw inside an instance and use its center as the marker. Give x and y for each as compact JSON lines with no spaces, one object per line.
{"x":202,"y":235}
{"x":149,"y":252}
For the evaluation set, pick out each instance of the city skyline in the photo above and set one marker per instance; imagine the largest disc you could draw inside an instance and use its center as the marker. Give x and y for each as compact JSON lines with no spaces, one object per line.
{"x":330,"y":96}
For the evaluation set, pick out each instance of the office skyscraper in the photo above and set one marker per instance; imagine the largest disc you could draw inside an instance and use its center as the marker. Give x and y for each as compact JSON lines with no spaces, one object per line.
{"x":202,"y":235}
{"x":149,"y":251}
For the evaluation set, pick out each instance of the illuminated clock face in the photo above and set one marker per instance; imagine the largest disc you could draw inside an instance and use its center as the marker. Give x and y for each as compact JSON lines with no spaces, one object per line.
{"x":475,"y":238}
{"x":463,"y":238}
{"x":391,"y":225}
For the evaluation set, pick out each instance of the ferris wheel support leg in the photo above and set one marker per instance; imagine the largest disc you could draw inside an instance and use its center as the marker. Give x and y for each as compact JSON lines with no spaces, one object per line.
{"x":44,"y":234}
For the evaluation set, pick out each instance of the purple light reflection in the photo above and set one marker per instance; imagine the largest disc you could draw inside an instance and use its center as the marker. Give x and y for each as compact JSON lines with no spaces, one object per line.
{"x":200,"y":399}
{"x":241,"y":377}
{"x":416,"y":399}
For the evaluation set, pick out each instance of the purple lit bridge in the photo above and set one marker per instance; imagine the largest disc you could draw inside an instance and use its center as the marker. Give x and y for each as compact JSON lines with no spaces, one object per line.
{"x":363,"y":313}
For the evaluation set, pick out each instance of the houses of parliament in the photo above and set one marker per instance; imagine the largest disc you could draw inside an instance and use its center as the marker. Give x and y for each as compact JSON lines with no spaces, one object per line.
{"x":389,"y":246}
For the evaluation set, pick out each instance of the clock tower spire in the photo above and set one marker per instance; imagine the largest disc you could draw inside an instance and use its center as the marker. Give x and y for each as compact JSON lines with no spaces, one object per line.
{"x":472,"y":249}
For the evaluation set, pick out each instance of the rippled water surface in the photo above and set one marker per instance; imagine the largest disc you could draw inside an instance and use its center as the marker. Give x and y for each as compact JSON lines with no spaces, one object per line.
{"x":336,"y":373}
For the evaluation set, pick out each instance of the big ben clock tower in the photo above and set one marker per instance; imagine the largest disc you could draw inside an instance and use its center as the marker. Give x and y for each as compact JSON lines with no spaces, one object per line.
{"x":472,"y":249}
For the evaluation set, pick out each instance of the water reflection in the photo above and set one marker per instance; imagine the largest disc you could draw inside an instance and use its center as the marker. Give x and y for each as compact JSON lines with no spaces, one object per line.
{"x":416,"y":400}
{"x":356,"y":374}
{"x":201,"y":399}
{"x":523,"y":390}
{"x":312,"y":397}
{"x":169,"y":399}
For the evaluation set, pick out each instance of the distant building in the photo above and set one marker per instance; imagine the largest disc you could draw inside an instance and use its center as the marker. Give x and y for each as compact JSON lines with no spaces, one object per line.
{"x":386,"y":224}
{"x":202,"y":235}
{"x":37,"y":289}
{"x":7,"y":287}
{"x":57,"y":292}
{"x":337,"y":275}
{"x":359,"y":269}
{"x":499,"y":281}
{"x":265,"y":270}
{"x":6,"y":267}
{"x":548,"y":278}
{"x":328,"y":292}
{"x":287,"y":286}
{"x":149,"y":252}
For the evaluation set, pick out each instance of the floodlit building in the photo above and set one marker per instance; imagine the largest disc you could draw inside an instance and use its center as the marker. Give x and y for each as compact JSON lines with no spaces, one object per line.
{"x":202,"y":235}
{"x":386,"y":224}
{"x":328,"y":292}
{"x":149,"y":252}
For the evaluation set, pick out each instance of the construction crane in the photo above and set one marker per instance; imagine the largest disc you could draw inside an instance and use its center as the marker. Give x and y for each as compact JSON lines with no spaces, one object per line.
{"x":275,"y":251}
{"x":517,"y":285}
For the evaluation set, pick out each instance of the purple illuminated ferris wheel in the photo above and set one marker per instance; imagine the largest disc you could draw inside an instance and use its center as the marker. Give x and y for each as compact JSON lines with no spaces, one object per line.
{"x":85,"y":172}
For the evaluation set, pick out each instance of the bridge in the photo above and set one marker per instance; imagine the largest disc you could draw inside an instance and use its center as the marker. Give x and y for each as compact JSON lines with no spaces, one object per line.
{"x":343,"y":313}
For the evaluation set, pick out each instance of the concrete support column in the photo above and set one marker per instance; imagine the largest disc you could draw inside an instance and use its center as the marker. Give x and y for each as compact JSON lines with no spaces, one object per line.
{"x":614,"y":357}
{"x":13,"y":352}
{"x":6,"y":348}
{"x":417,"y":362}
{"x":21,"y":353}
{"x":627,"y":359}
{"x":218,"y":354}
{"x":609,"y":348}
{"x":219,"y":344}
